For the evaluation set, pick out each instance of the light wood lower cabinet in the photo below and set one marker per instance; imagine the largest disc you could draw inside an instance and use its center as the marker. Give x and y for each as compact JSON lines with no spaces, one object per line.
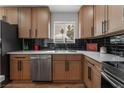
{"x":19,"y":67}
{"x":15,"y":73}
{"x":92,"y":73}
{"x":66,"y":69}
{"x":59,"y":70}
{"x":74,"y":70}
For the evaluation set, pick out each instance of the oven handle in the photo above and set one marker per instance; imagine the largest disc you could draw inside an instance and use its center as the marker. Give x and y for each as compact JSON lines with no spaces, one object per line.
{"x":107,"y":78}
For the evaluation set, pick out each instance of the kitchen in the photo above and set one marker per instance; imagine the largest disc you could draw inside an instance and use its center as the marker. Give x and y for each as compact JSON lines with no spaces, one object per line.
{"x":62,"y":46}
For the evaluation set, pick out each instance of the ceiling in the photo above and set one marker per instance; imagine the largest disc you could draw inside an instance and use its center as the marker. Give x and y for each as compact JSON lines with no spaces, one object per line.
{"x":64,"y":8}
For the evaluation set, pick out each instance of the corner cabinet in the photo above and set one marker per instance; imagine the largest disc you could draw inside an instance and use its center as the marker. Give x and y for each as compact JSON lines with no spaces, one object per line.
{"x":67,"y":68}
{"x":20,"y":67}
{"x":34,"y":22}
{"x":86,"y":21}
{"x":108,"y":19}
{"x":92,"y":73}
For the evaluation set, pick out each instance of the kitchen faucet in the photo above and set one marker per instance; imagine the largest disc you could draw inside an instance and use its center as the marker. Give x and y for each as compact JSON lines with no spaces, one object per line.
{"x":66,"y":47}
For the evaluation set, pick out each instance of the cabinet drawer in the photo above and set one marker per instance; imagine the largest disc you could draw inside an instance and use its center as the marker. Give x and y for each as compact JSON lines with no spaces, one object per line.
{"x":59,"y":57}
{"x":19,"y":57}
{"x":73,"y":57}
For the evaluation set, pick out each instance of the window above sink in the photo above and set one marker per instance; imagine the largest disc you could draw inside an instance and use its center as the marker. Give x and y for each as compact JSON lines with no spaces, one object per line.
{"x":64,"y":32}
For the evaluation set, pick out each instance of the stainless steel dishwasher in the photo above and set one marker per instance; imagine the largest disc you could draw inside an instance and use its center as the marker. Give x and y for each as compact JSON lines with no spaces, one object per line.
{"x":41,"y":67}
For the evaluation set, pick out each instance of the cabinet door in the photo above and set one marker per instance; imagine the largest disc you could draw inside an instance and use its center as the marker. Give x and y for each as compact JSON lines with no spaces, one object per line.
{"x":85,"y":75}
{"x":2,"y":13}
{"x":11,"y":15}
{"x":43,"y":16}
{"x":99,"y":17}
{"x":87,"y":21}
{"x":88,"y":75}
{"x":59,"y":71}
{"x":96,"y":82}
{"x":24,"y":22}
{"x":74,"y":70}
{"x":26,"y":74}
{"x":15,"y":70}
{"x":115,"y":18}
{"x":80,"y":20}
{"x":34,"y":23}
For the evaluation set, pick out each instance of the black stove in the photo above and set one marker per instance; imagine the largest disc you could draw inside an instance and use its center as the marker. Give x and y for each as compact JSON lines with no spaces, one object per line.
{"x":112,"y":74}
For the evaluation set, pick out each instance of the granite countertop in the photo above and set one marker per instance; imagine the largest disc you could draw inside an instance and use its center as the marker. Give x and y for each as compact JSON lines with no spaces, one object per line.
{"x":94,"y":55}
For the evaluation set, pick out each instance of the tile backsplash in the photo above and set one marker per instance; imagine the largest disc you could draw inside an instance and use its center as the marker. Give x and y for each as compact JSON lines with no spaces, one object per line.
{"x":114,"y":44}
{"x":47,"y":44}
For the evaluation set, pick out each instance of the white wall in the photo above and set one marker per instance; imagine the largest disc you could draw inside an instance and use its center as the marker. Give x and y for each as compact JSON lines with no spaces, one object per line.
{"x":64,"y":16}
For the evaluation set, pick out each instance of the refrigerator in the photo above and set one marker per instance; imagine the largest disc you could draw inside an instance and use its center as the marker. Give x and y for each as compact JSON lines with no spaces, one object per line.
{"x":8,"y":42}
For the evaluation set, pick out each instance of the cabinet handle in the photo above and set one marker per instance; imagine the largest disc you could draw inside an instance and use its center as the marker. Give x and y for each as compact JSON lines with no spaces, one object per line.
{"x":102,"y":27}
{"x":21,"y":65}
{"x":90,"y":64}
{"x":107,"y":25}
{"x":66,"y":66}
{"x":18,"y":66}
{"x":89,"y":73}
{"x":29,"y":32}
{"x":92,"y":31}
{"x":35,"y":32}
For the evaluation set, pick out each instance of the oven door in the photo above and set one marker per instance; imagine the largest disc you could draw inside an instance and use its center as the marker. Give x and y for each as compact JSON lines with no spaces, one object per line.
{"x":109,"y":82}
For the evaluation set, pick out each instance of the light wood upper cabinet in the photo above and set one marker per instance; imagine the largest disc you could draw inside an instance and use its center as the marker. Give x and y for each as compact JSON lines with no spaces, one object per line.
{"x":9,"y":15}
{"x":43,"y":17}
{"x":34,"y":22}
{"x":2,"y":13}
{"x":108,"y":19}
{"x":40,"y":22}
{"x":99,"y":16}
{"x":86,"y":21}
{"x":115,"y":18}
{"x":80,"y":18}
{"x":24,"y":22}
